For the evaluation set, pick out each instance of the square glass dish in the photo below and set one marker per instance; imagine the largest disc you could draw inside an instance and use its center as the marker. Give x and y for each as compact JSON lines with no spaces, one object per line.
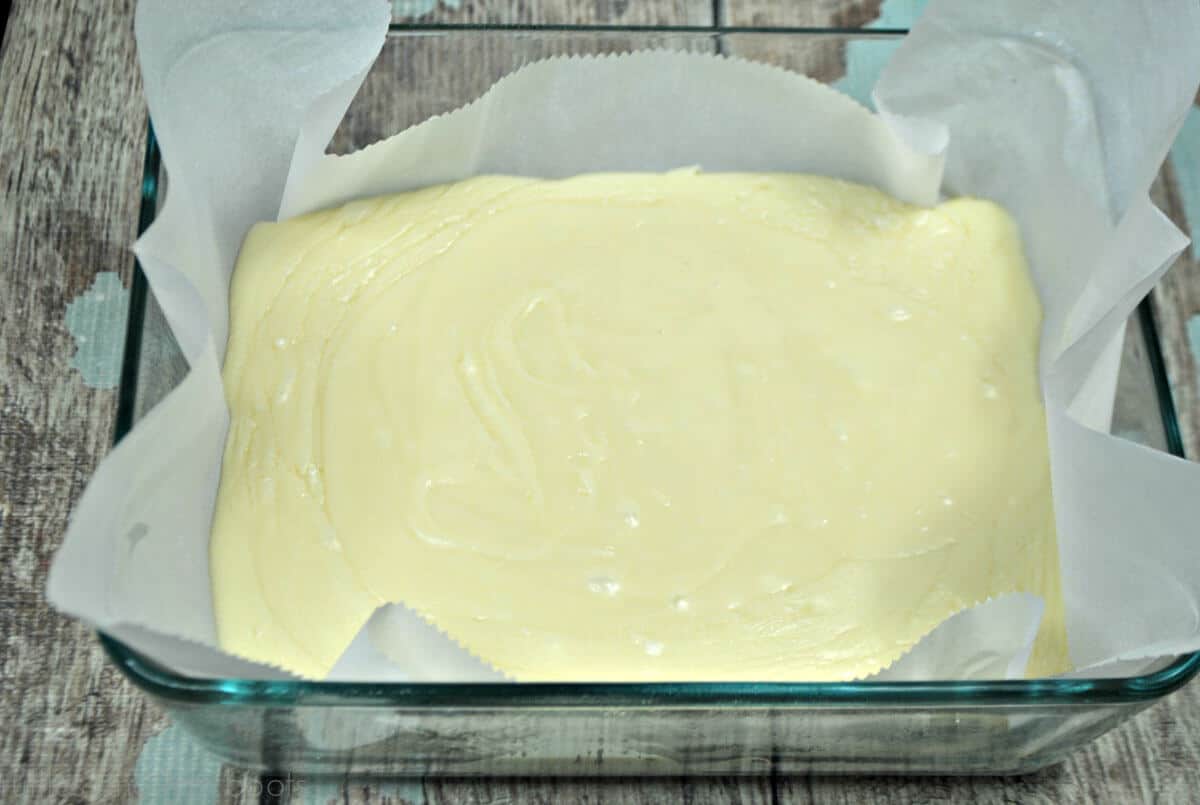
{"x":1000,"y":727}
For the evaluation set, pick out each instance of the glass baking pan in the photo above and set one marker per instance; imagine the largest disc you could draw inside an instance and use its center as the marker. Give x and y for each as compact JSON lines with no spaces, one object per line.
{"x":1002,"y":727}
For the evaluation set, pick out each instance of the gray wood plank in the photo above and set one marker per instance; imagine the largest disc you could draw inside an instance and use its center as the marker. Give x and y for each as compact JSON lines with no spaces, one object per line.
{"x":68,"y":209}
{"x":419,"y":77}
{"x":555,"y":12}
{"x":813,"y":14}
{"x":72,"y":127}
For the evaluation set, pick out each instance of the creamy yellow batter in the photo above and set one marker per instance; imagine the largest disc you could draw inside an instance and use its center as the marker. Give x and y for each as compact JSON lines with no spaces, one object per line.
{"x":677,"y":426}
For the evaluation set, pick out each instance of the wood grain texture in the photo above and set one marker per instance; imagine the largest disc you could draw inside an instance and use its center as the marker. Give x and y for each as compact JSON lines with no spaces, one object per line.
{"x":1149,"y":759}
{"x":72,"y":128}
{"x":555,"y":12}
{"x":4,"y":9}
{"x":416,"y":78}
{"x":822,"y":58}
{"x":810,"y":14}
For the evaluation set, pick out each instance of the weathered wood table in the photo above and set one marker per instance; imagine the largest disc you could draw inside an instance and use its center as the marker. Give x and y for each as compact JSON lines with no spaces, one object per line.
{"x":72,"y":136}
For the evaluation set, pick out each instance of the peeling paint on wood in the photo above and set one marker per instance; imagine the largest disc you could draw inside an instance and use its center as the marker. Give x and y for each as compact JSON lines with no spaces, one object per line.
{"x":96,"y":319}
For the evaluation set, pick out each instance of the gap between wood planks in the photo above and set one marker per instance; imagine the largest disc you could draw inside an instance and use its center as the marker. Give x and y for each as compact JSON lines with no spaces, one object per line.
{"x":6,"y":8}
